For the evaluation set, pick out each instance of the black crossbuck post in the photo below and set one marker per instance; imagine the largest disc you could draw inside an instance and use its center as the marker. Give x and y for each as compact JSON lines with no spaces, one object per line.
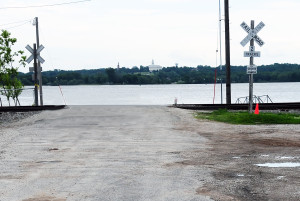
{"x":35,"y":65}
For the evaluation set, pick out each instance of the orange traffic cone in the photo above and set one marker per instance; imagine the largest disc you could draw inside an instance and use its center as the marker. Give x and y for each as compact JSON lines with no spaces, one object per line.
{"x":256,"y":109}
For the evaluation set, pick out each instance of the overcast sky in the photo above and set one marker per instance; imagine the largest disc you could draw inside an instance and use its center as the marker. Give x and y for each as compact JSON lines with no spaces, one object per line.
{"x":101,"y":33}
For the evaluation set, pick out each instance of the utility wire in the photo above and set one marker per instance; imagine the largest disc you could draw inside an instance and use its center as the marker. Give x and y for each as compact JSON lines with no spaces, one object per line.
{"x":25,"y":22}
{"x":46,"y":5}
{"x":16,"y":22}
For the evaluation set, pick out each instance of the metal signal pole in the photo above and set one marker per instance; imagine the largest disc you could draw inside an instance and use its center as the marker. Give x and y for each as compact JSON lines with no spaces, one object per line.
{"x":227,"y":53}
{"x":39,"y":63}
{"x":35,"y":66}
{"x":251,"y":75}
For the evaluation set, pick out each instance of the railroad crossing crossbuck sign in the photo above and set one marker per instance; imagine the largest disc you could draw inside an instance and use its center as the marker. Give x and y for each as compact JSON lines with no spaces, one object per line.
{"x":38,"y":50}
{"x":252,"y":34}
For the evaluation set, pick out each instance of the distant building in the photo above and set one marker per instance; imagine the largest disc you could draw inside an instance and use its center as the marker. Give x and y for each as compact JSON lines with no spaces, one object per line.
{"x":154,"y":67}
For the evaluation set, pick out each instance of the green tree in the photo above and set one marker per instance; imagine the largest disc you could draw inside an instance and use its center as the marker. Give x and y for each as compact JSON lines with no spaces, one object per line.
{"x":111,"y":73}
{"x":11,"y":85}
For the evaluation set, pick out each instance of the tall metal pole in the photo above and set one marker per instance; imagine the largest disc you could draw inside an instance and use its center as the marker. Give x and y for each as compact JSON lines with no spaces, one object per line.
{"x":36,"y":94}
{"x":227,"y":53}
{"x":220,"y":35}
{"x":39,"y":64}
{"x":251,"y":75}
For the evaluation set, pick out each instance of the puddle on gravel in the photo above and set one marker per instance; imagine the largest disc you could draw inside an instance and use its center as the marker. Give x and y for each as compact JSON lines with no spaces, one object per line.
{"x":286,"y":157}
{"x":279,"y":165}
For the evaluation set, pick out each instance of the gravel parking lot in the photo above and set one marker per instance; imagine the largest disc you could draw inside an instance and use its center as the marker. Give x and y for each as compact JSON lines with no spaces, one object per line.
{"x":100,"y":153}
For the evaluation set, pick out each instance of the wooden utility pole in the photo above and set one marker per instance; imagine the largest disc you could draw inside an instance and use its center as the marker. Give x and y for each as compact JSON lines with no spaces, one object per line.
{"x":39,"y":63}
{"x":227,"y":53}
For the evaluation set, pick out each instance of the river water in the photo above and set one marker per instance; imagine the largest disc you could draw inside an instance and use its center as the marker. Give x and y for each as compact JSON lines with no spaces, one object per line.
{"x":157,"y":94}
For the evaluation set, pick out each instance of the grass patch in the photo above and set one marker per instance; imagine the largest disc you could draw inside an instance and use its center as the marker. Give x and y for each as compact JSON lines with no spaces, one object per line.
{"x":245,"y":118}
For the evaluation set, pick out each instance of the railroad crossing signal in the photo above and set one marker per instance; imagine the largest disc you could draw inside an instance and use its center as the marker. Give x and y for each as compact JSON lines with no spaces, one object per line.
{"x":252,"y":34}
{"x":252,"y":69}
{"x":38,"y":50}
{"x":35,"y":56}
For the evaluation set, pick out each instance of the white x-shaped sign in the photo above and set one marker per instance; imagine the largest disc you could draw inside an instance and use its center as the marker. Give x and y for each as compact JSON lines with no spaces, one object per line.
{"x":252,"y":34}
{"x":39,"y":49}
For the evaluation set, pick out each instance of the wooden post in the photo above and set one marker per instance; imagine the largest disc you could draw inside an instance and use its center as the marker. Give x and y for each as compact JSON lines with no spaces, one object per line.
{"x":39,"y":63}
{"x":227,"y":53}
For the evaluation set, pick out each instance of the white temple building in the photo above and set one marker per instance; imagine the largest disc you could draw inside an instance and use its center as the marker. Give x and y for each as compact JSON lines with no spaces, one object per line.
{"x":154,"y":67}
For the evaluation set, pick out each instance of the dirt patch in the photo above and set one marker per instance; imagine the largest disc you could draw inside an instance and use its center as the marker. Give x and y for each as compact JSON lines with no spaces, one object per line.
{"x":217,"y":196}
{"x":182,"y":163}
{"x":45,"y":198}
{"x":276,"y":142}
{"x":232,"y":154}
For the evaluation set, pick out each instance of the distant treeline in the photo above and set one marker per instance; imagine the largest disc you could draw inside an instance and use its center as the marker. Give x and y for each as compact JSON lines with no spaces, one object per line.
{"x":178,"y":75}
